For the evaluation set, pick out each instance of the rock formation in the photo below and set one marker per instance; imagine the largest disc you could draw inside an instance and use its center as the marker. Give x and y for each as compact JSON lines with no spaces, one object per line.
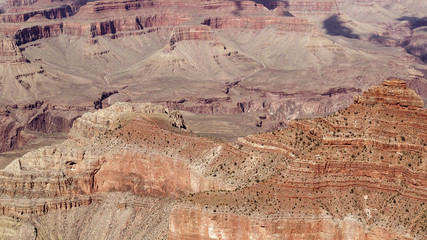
{"x":228,"y":60}
{"x":38,"y":116}
{"x":359,"y":173}
{"x":284,"y":59}
{"x":355,"y":174}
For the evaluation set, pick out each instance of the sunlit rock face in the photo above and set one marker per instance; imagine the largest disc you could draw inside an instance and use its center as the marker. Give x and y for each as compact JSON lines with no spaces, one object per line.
{"x":358,"y":173}
{"x":278,"y":59}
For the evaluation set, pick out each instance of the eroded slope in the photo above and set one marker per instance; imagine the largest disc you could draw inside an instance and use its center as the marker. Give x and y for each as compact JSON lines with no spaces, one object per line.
{"x":281,"y":59}
{"x":359,"y":173}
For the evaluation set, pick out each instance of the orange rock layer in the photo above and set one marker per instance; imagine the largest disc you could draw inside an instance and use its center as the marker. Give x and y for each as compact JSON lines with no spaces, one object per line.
{"x":355,"y":174}
{"x":114,"y":17}
{"x":359,"y":173}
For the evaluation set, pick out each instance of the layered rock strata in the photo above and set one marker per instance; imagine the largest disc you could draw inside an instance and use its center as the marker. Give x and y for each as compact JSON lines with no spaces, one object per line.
{"x":126,"y":147}
{"x":355,"y":174}
{"x":38,"y":116}
{"x":136,"y":45}
{"x":359,"y":173}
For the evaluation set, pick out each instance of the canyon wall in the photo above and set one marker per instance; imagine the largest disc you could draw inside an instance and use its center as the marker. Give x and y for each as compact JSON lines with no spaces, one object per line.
{"x":329,"y":188}
{"x":38,"y":116}
{"x":281,"y":23}
{"x":353,"y":174}
{"x":198,"y":224}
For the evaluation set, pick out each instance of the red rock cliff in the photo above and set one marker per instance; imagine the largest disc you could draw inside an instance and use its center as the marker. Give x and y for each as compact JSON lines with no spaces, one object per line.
{"x":355,"y":174}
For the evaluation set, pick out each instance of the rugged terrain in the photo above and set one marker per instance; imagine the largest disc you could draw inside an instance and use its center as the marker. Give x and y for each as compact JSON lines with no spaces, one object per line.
{"x":134,"y":171}
{"x":269,"y":60}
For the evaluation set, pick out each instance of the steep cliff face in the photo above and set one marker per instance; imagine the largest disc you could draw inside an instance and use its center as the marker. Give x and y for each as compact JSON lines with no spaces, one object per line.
{"x":392,"y":92}
{"x":133,"y":24}
{"x":9,"y":51}
{"x":125,"y":148}
{"x":191,"y":33}
{"x":38,"y":116}
{"x":30,"y":34}
{"x":53,"y":13}
{"x":117,"y":216}
{"x":199,"y":224}
{"x":20,"y":3}
{"x":353,"y":175}
{"x":45,"y":30}
{"x":417,"y":45}
{"x":359,"y":174}
{"x":281,"y":23}
{"x":222,"y":43}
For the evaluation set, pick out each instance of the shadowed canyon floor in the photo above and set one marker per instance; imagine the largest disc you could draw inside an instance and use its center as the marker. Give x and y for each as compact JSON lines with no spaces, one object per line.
{"x":133,"y":171}
{"x":269,"y":61}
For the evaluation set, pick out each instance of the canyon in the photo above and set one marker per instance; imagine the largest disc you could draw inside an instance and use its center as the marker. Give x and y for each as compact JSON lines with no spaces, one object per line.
{"x":134,"y":170}
{"x":280,"y":60}
{"x":213,"y":119}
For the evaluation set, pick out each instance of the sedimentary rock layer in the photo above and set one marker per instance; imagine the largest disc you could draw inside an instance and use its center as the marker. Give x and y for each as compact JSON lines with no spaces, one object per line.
{"x":37,"y":116}
{"x":358,"y":173}
{"x":355,"y":171}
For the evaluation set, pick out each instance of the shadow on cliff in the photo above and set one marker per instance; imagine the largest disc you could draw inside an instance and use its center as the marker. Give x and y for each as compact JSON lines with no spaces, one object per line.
{"x":335,"y":27}
{"x":414,"y":21}
{"x":269,"y":4}
{"x":417,"y":50}
{"x":239,"y":8}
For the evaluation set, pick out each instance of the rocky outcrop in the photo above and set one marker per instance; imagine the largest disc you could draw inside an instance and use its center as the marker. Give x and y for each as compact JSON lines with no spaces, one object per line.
{"x":185,"y":224}
{"x":281,"y":23}
{"x":234,"y":30}
{"x":30,"y":34}
{"x":391,"y":92}
{"x":116,"y":216}
{"x":353,"y":174}
{"x":301,"y":8}
{"x":20,"y":3}
{"x":9,"y":51}
{"x":53,"y":13}
{"x":90,"y":162}
{"x":131,"y":24}
{"x":108,"y":6}
{"x":254,"y":58}
{"x":191,"y":33}
{"x":38,"y":116}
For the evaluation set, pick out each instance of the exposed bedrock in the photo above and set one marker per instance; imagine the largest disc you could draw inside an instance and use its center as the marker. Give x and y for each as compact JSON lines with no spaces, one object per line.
{"x":39,"y":116}
{"x":278,"y":106}
{"x":359,"y":173}
{"x":281,"y":23}
{"x":352,"y":174}
{"x":9,"y":51}
{"x":131,"y":24}
{"x":53,"y":13}
{"x":99,"y":7}
{"x":200,"y":224}
{"x":392,"y":92}
{"x":191,"y":33}
{"x":29,"y":34}
{"x":20,"y":3}
{"x":417,"y":45}
{"x":125,"y":148}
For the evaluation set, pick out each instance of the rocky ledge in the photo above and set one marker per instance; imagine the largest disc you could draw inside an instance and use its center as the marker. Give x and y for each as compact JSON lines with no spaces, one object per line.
{"x":359,"y":173}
